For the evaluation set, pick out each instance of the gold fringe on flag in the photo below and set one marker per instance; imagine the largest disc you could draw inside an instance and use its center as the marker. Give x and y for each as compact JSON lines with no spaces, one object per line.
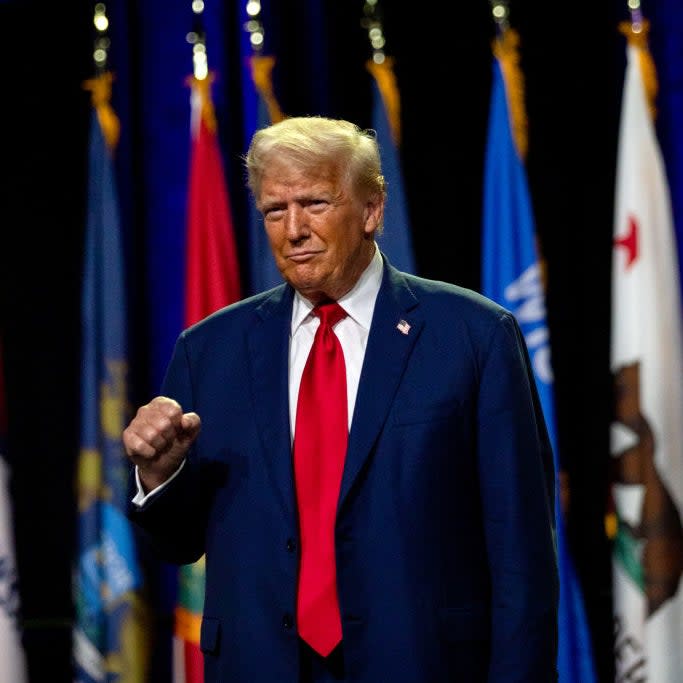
{"x":202,"y":87}
{"x":386,"y":82}
{"x":100,"y":96}
{"x":261,"y":74}
{"x":639,"y":39}
{"x":506,"y":50}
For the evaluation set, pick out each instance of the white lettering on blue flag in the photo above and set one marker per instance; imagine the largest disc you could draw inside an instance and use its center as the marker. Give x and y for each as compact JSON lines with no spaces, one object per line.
{"x":525,"y":297}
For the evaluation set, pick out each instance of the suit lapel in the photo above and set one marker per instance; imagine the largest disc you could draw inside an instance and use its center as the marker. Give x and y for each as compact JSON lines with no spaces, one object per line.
{"x":268,"y":344}
{"x":386,"y":356}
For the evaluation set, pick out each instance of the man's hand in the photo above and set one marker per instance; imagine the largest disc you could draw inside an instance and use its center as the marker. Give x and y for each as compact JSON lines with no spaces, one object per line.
{"x":158,"y":439}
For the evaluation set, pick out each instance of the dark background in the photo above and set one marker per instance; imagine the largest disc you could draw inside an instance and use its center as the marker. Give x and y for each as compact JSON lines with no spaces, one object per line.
{"x":573,"y":60}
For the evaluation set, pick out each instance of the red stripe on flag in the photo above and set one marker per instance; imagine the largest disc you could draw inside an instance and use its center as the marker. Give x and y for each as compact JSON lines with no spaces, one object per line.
{"x":194,"y":663}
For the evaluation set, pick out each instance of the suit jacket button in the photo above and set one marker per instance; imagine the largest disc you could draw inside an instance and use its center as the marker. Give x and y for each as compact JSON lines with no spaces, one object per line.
{"x":287,"y":621}
{"x":291,"y":545}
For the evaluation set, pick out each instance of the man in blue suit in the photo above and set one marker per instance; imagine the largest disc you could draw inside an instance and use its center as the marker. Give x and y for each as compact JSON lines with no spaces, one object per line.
{"x":435,"y":560}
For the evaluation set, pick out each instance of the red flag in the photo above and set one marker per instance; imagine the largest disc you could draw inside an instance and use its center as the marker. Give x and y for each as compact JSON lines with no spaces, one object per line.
{"x":212,"y":274}
{"x":212,"y":281}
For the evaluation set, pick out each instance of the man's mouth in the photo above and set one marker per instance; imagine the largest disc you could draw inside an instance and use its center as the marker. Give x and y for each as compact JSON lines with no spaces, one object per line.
{"x":301,"y":256}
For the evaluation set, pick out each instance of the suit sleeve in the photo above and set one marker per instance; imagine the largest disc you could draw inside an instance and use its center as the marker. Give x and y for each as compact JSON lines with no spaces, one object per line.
{"x":174,"y":519}
{"x":518,"y":494}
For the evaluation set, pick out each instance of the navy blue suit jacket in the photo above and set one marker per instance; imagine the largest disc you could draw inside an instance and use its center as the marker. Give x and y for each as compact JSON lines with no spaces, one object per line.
{"x":444,"y":538}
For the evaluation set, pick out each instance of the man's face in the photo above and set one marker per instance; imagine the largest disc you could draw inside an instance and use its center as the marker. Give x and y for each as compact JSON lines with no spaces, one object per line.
{"x":320,"y":233}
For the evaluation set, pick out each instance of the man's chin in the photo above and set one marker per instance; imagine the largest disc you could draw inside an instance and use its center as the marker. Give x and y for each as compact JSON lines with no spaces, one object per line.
{"x":311,"y":288}
{"x":301,"y":275}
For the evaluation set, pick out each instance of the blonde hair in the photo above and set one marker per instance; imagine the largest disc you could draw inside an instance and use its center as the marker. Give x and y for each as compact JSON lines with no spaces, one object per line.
{"x":308,"y":142}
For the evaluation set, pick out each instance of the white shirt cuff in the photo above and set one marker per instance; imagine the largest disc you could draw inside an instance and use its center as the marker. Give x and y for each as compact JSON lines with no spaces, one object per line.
{"x":141,"y":497}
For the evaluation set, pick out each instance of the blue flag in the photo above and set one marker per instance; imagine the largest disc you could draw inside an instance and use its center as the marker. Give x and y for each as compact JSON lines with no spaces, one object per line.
{"x":109,"y":633}
{"x":263,"y":273}
{"x":395,"y":240}
{"x":511,"y":275}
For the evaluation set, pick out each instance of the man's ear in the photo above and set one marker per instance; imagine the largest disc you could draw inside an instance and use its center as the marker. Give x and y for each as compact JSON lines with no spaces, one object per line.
{"x":374,"y":213}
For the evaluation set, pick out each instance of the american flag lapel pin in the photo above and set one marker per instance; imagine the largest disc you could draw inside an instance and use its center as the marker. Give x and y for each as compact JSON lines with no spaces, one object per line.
{"x":403,"y":327}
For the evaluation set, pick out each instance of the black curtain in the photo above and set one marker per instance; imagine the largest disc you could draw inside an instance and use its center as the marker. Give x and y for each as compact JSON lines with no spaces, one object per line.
{"x":573,"y":63}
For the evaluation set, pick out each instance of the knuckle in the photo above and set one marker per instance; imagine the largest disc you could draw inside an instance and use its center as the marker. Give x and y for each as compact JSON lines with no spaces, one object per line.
{"x":168,"y":405}
{"x":137,"y":446}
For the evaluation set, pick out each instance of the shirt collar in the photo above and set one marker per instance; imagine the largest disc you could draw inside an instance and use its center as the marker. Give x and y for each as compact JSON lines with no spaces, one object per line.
{"x":359,"y":303}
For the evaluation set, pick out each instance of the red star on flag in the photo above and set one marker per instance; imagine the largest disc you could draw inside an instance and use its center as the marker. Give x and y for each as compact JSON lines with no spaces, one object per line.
{"x":629,"y":241}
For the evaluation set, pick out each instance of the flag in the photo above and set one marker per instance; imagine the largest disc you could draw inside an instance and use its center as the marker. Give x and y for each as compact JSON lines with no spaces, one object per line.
{"x":11,"y":651}
{"x":512,"y":275}
{"x":395,"y":241}
{"x":647,"y":370}
{"x":212,"y":281}
{"x":263,"y":271}
{"x":112,"y":618}
{"x":212,"y":276}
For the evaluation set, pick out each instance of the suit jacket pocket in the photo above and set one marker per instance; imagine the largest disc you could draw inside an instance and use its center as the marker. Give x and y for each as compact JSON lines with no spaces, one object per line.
{"x":209,"y":636}
{"x":464,"y":623}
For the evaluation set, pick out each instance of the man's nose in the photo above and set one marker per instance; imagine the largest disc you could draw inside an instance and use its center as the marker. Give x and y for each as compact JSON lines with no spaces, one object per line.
{"x":295,"y":222}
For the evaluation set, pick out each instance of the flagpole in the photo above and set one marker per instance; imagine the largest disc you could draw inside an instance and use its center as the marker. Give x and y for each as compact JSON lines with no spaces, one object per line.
{"x":100,"y":85}
{"x":262,"y":65}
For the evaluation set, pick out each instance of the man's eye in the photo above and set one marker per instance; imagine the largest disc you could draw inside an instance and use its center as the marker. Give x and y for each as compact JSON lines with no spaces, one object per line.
{"x":273,"y":214}
{"x":317,"y":205}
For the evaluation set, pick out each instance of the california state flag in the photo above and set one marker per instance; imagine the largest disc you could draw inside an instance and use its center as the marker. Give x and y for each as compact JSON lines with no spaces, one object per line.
{"x":647,"y":367}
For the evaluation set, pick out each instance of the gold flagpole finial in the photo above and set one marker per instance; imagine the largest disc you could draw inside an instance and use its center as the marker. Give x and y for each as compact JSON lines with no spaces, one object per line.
{"x":506,"y":51}
{"x":261,"y":64}
{"x":100,"y":86}
{"x":382,"y":67}
{"x":201,"y":79}
{"x":637,"y":34}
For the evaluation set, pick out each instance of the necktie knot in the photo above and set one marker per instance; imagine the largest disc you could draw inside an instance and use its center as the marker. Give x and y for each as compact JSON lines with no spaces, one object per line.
{"x":330,"y":313}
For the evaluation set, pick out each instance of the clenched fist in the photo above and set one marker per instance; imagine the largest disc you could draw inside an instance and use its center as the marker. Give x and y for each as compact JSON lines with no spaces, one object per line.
{"x":158,"y":439}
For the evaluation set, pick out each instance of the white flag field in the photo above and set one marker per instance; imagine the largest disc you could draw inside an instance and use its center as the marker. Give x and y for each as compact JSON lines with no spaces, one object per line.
{"x":12,"y":663}
{"x":647,"y":427}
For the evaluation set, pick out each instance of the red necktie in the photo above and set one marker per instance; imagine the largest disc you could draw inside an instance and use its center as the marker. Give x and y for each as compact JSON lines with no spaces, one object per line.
{"x":320,"y":438}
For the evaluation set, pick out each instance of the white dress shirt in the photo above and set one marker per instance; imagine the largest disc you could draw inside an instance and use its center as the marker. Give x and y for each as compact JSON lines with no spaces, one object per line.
{"x":352,"y":332}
